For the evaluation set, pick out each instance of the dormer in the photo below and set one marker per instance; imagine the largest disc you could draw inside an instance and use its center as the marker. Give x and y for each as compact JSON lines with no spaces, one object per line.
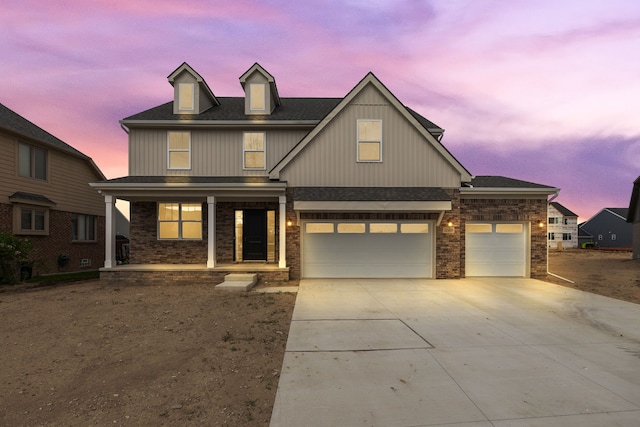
{"x":191,"y":94}
{"x":260,"y":91}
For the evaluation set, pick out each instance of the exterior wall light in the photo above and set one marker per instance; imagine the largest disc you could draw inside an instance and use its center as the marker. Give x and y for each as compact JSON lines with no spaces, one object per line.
{"x":541,"y":224}
{"x":450,"y":224}
{"x":289,"y":223}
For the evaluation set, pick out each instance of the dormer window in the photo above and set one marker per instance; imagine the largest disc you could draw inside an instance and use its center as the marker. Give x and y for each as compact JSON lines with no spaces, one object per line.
{"x":186,"y":96}
{"x":258,"y":96}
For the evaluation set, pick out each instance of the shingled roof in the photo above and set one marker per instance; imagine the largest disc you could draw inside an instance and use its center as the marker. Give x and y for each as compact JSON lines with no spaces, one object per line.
{"x":370,"y":194}
{"x":564,"y":211}
{"x":14,"y":122}
{"x":487,"y":181}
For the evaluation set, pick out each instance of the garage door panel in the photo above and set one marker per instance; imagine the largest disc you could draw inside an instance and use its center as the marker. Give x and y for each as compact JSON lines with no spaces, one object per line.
{"x":496,"y":253}
{"x":367,"y":255}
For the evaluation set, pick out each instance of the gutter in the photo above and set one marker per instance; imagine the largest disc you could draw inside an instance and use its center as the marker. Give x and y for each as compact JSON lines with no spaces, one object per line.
{"x":548,"y":272}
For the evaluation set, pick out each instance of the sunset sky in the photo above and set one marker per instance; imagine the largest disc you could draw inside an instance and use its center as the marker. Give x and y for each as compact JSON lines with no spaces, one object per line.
{"x":545,"y":91}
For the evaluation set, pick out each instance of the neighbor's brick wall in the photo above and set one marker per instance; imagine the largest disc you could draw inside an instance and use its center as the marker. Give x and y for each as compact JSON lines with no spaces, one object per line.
{"x":526,"y":210}
{"x":6,"y":217}
{"x":145,"y":248}
{"x":47,"y":248}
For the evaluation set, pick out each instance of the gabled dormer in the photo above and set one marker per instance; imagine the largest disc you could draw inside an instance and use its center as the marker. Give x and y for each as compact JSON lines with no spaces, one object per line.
{"x":191,"y":94}
{"x":260,"y":91}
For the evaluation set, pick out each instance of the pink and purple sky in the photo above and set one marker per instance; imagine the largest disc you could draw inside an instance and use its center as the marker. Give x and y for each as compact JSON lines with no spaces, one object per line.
{"x":545,"y":91}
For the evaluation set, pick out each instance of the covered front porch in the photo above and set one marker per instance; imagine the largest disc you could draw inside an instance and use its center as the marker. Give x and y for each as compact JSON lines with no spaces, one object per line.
{"x":186,"y":229}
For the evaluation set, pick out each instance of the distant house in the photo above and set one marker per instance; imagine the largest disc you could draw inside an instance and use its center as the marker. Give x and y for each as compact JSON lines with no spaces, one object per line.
{"x":609,"y":228}
{"x":562,"y":229}
{"x":633,"y":217}
{"x":45,"y":196}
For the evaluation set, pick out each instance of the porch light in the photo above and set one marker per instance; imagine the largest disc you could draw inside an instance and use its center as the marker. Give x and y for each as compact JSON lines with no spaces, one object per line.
{"x":450,"y":224}
{"x":289,"y":223}
{"x":541,"y":224}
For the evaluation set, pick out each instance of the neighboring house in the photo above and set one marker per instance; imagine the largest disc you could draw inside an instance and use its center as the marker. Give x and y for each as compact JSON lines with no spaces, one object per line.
{"x":45,"y":196}
{"x":609,"y":228}
{"x":562,"y":230}
{"x":633,"y":217}
{"x":290,"y":188}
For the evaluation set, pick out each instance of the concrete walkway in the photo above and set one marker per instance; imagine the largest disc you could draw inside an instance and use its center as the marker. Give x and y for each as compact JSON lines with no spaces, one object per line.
{"x":471,"y":352}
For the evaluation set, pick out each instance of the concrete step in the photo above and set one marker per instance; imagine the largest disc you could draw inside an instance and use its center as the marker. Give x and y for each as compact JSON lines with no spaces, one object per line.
{"x":238,"y":282}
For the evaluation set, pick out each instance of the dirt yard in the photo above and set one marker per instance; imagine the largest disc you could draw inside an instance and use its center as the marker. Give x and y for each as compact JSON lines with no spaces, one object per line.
{"x":87,"y":354}
{"x":608,"y":273}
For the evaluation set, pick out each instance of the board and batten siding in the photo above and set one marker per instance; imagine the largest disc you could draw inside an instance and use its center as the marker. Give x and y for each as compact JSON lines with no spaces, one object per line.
{"x":67,"y":184}
{"x":408,"y":159}
{"x":213,"y":152}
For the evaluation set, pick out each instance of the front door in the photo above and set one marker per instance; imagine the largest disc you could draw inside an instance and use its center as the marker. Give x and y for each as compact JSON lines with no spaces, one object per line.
{"x":254,"y":232}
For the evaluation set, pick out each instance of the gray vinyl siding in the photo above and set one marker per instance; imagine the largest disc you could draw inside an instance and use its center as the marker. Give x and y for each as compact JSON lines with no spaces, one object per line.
{"x":408,"y":159}
{"x":213,"y":152}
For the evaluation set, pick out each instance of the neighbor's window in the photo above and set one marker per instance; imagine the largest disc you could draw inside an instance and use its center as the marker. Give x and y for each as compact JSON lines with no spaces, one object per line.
{"x":552,"y":236}
{"x":186,"y":96}
{"x":258,"y":96}
{"x":369,"y":140}
{"x":31,"y":220}
{"x":254,"y":150}
{"x":32,"y":161}
{"x":83,"y":227}
{"x":179,"y":150}
{"x":613,"y":237}
{"x":181,"y":221}
{"x":566,"y":236}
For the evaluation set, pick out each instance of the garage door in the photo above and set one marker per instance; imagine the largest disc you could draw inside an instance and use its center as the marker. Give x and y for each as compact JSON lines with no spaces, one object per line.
{"x":496,"y":249}
{"x":367,"y":250}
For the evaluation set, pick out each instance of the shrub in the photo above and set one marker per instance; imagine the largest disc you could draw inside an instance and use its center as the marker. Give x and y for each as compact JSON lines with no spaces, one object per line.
{"x":14,"y":253}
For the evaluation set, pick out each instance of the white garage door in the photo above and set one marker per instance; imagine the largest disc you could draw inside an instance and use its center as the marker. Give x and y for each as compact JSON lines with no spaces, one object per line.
{"x":367,"y":249}
{"x":496,"y":249}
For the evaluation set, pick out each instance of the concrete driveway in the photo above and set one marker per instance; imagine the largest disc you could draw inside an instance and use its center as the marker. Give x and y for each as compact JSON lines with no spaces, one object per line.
{"x":471,"y":352}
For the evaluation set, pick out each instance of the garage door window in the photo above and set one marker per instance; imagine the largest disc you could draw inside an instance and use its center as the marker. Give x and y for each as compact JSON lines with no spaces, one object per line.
{"x":350,"y":227}
{"x":319,"y":227}
{"x":414,"y":228}
{"x":478,"y":228}
{"x":383,"y":228}
{"x":508,"y":228}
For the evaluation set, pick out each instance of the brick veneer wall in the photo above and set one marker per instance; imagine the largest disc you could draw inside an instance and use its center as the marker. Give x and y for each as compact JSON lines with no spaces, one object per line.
{"x":525,"y":210}
{"x":181,"y":277}
{"x":449,"y":241}
{"x":145,"y":248}
{"x":46,"y":249}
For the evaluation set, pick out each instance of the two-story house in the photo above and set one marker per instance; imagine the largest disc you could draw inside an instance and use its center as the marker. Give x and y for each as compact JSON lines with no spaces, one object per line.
{"x":45,"y":196}
{"x":608,"y":228}
{"x":633,"y":217}
{"x":562,"y":232}
{"x":359,"y":186}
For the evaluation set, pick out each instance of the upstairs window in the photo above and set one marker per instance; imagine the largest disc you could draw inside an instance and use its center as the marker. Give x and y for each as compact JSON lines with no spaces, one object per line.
{"x":179,"y":150}
{"x":180,"y":221}
{"x":369,"y":140}
{"x":258,"y":97}
{"x":254,"y":150}
{"x":32,"y":162}
{"x":83,"y":227}
{"x":186,"y":96}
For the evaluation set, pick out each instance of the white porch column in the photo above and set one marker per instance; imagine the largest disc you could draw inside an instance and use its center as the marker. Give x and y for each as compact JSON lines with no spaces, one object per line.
{"x":109,"y":232}
{"x":211,"y":228}
{"x":282,"y":262}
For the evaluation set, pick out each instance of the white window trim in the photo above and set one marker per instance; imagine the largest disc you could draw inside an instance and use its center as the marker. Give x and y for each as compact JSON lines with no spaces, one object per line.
{"x":358,"y":140}
{"x":169,"y":151}
{"x":193,"y":97}
{"x":263,"y":151}
{"x":264,"y":96}
{"x":179,"y":221}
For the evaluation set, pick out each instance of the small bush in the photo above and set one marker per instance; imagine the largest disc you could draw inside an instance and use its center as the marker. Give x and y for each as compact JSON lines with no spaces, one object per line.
{"x":14,"y":253}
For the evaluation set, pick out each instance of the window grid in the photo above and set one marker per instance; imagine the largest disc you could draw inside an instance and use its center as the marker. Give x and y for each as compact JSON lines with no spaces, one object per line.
{"x":179,"y":221}
{"x":369,"y":141}
{"x":254,"y":150}
{"x":178,"y":150}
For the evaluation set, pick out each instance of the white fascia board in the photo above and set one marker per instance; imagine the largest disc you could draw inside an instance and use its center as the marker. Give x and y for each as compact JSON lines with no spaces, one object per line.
{"x":503,"y":191}
{"x":217,"y":123}
{"x":413,"y":206}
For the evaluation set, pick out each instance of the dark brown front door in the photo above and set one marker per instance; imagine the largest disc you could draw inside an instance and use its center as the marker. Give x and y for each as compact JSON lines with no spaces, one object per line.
{"x":254,"y":232}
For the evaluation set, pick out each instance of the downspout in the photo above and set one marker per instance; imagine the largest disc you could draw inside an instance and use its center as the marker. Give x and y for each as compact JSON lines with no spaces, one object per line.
{"x":548,"y":272}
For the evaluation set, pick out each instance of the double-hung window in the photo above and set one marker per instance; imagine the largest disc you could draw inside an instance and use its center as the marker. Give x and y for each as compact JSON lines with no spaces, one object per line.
{"x":32,"y":161}
{"x":83,"y":227}
{"x":186,"y":96}
{"x":257,"y":92}
{"x":31,"y":220}
{"x":253,"y":156}
{"x":369,"y":141}
{"x":180,"y":221}
{"x":178,"y":150}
